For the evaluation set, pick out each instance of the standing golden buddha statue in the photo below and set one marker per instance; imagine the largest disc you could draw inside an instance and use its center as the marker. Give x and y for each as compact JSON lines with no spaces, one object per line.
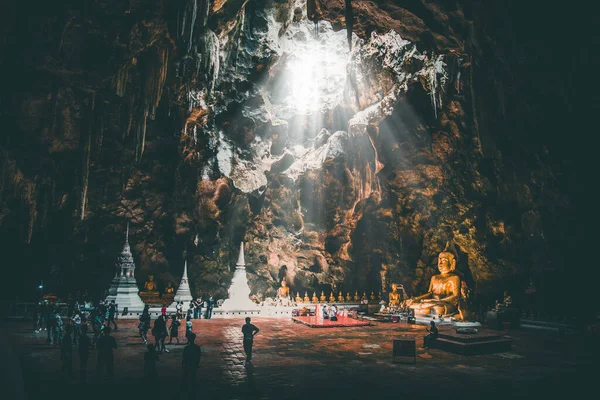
{"x":444,"y":289}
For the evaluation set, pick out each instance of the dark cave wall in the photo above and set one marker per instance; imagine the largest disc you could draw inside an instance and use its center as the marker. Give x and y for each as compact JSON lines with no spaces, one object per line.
{"x":97,"y":129}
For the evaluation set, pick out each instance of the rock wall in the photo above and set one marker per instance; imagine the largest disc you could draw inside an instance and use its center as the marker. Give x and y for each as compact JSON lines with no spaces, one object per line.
{"x":157,"y":112}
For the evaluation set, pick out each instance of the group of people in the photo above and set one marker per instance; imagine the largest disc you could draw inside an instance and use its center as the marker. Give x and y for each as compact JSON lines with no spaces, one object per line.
{"x":197,"y":306}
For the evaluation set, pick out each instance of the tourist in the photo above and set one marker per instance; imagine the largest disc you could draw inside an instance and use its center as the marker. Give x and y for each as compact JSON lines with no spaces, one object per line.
{"x":191,"y":361}
{"x":163,"y":311}
{"x":174,"y":329}
{"x":192,"y":309}
{"x":112,"y":312}
{"x":211,"y":304}
{"x":105,"y":346}
{"x":433,"y":334}
{"x":36,"y":317}
{"x":45,"y":310}
{"x":84,"y":352}
{"x":206,"y":309}
{"x":66,"y":352}
{"x":188,"y":328}
{"x":198,"y":308}
{"x":57,"y":330}
{"x":144,"y":324}
{"x":179,"y":310}
{"x":50,"y":322}
{"x":333,"y":311}
{"x":150,"y":359}
{"x":160,"y":333}
{"x":249,"y":331}
{"x":324,"y":311}
{"x":76,"y":321}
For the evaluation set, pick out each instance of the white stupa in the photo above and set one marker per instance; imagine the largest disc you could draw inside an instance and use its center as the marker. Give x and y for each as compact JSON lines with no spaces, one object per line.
{"x":183,"y":292}
{"x":123,"y":289}
{"x":239,"y":291}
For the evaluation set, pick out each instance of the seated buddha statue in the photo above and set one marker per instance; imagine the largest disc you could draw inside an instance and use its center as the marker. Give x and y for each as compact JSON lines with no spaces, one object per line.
{"x":394,"y":296}
{"x":298,"y":298}
{"x":169,"y":289}
{"x":372,"y":297}
{"x":150,"y":285}
{"x":332,"y":297}
{"x":306,"y":298}
{"x":364,"y":297}
{"x":314,"y":299}
{"x":284,"y":291}
{"x":348,"y":297}
{"x":356,"y":297}
{"x":444,"y":290}
{"x":340,"y":296}
{"x":323,"y":298}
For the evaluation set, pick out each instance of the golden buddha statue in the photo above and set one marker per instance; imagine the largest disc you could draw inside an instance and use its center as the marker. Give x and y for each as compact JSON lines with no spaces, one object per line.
{"x":348,"y":297}
{"x":332,"y":297}
{"x":323,"y":298}
{"x":314,"y":299}
{"x":394,"y":300}
{"x":306,"y":298}
{"x":379,"y":296}
{"x":284,"y":290}
{"x":444,"y":290}
{"x":169,"y":289}
{"x":150,"y":285}
{"x":298,"y":298}
{"x":364,"y":296}
{"x":340,"y":296}
{"x":372,"y":297}
{"x":356,"y":297}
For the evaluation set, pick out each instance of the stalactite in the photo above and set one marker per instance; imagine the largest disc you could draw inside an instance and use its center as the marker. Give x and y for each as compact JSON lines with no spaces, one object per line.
{"x":349,"y":22}
{"x":119,"y":80}
{"x":156,"y":80}
{"x":86,"y":166}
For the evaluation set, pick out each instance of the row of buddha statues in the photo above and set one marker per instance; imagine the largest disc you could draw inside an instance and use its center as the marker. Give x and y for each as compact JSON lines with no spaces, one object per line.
{"x":447,"y":294}
{"x":348,"y":298}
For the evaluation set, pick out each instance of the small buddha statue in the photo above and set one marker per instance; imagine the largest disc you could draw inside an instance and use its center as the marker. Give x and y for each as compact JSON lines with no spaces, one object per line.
{"x":464,"y":302}
{"x":372,"y":297}
{"x":150,"y":285}
{"x":332,"y":297}
{"x":364,"y":296}
{"x":340,"y":296}
{"x":323,"y":298}
{"x":394,"y":296}
{"x":306,"y":298}
{"x":444,"y":290}
{"x":348,"y":297}
{"x":507,"y":300}
{"x":284,"y":291}
{"x":356,"y":297}
{"x":298,"y":298}
{"x":169,"y":289}
{"x":379,"y":298}
{"x":314,"y":299}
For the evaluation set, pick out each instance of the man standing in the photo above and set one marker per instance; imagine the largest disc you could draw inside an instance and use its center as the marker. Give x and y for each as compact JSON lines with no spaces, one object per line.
{"x":191,"y":361}
{"x":249,"y":331}
{"x":105,"y":346}
{"x":112,"y":311}
{"x":84,"y":352}
{"x":211,"y":304}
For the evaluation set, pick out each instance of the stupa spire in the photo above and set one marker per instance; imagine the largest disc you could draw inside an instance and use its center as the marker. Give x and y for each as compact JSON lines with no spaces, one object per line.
{"x":240,"y":261}
{"x":127,"y":233}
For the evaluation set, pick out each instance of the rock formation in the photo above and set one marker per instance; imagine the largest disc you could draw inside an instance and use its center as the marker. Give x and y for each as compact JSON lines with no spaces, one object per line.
{"x":177,"y":116}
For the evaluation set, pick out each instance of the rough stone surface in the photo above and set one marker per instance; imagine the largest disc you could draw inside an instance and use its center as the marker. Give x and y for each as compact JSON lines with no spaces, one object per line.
{"x":129,"y":110}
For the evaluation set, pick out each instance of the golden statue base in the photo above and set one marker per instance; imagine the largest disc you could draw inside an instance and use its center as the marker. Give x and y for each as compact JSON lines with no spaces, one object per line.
{"x":152,"y":298}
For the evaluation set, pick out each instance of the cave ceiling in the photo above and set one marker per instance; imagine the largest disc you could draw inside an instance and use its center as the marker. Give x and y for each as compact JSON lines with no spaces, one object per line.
{"x":344,"y":158}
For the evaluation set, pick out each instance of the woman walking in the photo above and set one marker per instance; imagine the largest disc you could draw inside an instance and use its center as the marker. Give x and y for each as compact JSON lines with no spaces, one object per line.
{"x":174,"y":329}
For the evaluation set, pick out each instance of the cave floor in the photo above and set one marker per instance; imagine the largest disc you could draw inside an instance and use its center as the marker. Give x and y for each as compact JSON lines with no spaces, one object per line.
{"x":293,"y":361}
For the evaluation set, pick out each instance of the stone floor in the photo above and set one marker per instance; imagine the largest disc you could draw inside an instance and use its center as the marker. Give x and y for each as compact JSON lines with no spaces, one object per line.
{"x":293,"y":361}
